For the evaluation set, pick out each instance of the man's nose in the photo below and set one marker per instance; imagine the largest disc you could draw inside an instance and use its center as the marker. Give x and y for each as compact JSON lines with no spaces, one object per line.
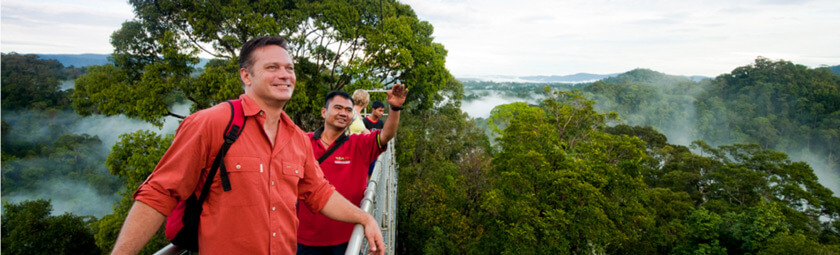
{"x":285,"y":74}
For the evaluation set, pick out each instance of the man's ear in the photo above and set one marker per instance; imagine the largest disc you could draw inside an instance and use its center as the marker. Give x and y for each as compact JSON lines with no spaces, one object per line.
{"x":245,"y":76}
{"x":324,"y":113}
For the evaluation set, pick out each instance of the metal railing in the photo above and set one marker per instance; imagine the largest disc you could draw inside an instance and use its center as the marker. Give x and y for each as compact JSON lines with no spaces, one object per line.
{"x":380,"y":201}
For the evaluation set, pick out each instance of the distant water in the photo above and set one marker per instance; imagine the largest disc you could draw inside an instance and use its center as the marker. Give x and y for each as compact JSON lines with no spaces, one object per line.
{"x":483,"y":106}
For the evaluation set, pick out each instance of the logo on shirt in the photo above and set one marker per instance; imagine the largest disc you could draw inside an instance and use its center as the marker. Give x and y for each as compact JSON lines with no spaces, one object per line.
{"x":342,"y":160}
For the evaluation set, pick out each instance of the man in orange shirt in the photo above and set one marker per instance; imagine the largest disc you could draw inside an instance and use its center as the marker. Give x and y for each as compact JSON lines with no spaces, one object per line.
{"x":270,"y":167}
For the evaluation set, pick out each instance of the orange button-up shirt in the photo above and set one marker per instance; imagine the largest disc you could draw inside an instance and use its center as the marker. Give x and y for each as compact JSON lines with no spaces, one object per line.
{"x":258,"y":214}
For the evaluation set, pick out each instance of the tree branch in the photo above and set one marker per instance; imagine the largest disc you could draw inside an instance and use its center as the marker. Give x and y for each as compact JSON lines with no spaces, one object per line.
{"x":175,"y":115}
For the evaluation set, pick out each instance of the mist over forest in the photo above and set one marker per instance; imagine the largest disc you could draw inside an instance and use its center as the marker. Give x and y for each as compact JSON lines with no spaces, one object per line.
{"x":635,"y":163}
{"x":667,"y":103}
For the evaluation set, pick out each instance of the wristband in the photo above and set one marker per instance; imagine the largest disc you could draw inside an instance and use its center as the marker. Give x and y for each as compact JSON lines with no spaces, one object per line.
{"x":396,"y":108}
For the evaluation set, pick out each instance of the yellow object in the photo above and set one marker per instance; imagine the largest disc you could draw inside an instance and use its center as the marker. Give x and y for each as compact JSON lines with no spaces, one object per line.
{"x":357,"y":126}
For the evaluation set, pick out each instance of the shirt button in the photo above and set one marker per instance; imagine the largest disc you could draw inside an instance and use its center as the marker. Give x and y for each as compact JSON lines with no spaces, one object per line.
{"x":272,"y":182}
{"x":261,"y":168}
{"x":272,"y":208}
{"x":238,"y":167}
{"x":261,"y":113}
{"x":274,"y":234}
{"x":296,"y":171}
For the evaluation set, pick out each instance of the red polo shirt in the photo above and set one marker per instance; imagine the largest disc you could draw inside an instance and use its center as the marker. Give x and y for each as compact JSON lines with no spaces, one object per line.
{"x":346,"y":169}
{"x":258,"y":214}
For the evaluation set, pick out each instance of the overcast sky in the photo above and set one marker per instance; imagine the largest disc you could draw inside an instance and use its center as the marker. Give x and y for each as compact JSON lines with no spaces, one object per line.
{"x":530,"y":37}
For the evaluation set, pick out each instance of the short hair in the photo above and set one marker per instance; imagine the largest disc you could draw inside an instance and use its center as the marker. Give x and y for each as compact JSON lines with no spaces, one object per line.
{"x":246,"y":60}
{"x":333,"y":94}
{"x":377,"y":104}
{"x":361,"y":97}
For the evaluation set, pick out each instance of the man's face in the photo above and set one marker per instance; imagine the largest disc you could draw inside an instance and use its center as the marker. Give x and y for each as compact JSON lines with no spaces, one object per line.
{"x":339,"y":113}
{"x":378,"y":112}
{"x":271,"y":79}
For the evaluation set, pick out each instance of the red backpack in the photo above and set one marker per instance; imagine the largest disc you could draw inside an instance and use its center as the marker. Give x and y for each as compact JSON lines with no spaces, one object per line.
{"x":182,"y":223}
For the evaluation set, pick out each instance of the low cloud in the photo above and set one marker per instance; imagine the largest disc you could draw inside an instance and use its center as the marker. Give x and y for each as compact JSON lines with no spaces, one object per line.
{"x":69,"y":197}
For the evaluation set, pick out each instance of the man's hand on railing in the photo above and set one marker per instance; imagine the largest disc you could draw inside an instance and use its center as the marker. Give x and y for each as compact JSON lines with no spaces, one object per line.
{"x":374,"y":236}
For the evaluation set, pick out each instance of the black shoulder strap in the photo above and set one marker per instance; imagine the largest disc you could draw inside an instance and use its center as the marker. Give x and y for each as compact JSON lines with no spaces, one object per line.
{"x":338,"y":142}
{"x":232,"y":132}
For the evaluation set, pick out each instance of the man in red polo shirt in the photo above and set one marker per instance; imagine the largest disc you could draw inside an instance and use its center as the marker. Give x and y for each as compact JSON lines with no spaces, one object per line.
{"x":346,"y":168}
{"x":271,"y":168}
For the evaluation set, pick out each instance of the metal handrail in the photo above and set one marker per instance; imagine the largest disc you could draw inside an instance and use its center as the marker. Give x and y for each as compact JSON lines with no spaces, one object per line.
{"x":380,"y":201}
{"x":171,"y":249}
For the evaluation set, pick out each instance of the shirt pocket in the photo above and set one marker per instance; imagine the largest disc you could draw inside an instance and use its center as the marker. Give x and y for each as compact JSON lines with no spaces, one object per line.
{"x":292,"y":172}
{"x":245,"y":182}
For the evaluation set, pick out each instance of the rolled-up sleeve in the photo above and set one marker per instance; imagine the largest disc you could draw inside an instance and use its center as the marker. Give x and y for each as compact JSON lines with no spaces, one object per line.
{"x":179,"y":170}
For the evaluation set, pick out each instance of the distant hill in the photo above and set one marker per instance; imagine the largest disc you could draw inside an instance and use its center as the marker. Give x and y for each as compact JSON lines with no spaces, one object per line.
{"x":573,"y":78}
{"x":82,"y":60}
{"x":647,"y":76}
{"x":835,"y":69}
{"x":569,"y":79}
{"x":78,"y":60}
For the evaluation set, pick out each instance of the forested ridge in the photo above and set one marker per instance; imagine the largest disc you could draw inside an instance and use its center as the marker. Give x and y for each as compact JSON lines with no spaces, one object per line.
{"x":564,"y":176}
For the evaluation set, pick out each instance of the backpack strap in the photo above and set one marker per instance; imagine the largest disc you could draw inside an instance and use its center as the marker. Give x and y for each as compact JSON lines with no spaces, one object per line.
{"x":338,"y":142}
{"x":232,"y":132}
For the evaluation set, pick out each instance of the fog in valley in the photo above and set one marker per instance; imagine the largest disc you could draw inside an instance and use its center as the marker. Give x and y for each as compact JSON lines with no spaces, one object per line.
{"x":73,"y":196}
{"x":680,"y":132}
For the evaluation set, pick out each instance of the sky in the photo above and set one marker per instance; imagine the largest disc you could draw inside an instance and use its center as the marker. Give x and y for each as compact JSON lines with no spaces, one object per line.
{"x":527,"y":37}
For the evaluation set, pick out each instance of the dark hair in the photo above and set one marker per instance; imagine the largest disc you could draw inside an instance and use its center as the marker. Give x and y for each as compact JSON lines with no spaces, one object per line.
{"x":245,"y":58}
{"x":377,"y":104}
{"x":334,"y":94}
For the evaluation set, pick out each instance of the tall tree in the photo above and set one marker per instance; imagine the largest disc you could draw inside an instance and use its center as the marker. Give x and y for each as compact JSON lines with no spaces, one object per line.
{"x":28,"y":228}
{"x":32,"y":83}
{"x":335,"y":44}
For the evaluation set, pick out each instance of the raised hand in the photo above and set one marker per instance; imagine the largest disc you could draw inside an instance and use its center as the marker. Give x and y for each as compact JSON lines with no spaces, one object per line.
{"x":396,"y":97}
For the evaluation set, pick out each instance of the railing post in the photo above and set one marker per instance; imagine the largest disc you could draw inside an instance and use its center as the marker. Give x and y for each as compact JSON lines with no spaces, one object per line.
{"x":381,"y":188}
{"x":171,"y":250}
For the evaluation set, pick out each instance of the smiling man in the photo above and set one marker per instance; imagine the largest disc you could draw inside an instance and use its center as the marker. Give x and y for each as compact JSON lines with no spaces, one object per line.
{"x":346,"y":167}
{"x":271,"y":167}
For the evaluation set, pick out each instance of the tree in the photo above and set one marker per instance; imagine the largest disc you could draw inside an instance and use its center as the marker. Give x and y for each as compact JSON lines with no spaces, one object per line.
{"x":32,"y":83}
{"x":28,"y":228}
{"x":133,"y":158}
{"x":443,"y":158}
{"x":560,"y":185}
{"x":335,"y":45}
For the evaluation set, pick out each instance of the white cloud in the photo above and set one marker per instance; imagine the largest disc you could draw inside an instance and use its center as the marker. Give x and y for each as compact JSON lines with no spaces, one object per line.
{"x":529,"y":37}
{"x":61,"y":26}
{"x":676,"y":37}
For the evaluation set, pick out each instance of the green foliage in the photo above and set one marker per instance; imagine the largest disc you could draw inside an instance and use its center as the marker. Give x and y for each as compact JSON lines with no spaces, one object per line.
{"x":28,"y":228}
{"x":336,"y":45}
{"x":759,"y":102}
{"x":38,"y":148}
{"x":562,"y":182}
{"x":835,"y":69}
{"x":647,"y":98}
{"x":560,"y":185}
{"x":32,"y":83}
{"x":440,"y":186}
{"x":796,"y":244}
{"x":133,"y":158}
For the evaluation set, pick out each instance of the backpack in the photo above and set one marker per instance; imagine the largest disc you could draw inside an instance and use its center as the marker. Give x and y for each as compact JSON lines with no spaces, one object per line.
{"x":182,"y":223}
